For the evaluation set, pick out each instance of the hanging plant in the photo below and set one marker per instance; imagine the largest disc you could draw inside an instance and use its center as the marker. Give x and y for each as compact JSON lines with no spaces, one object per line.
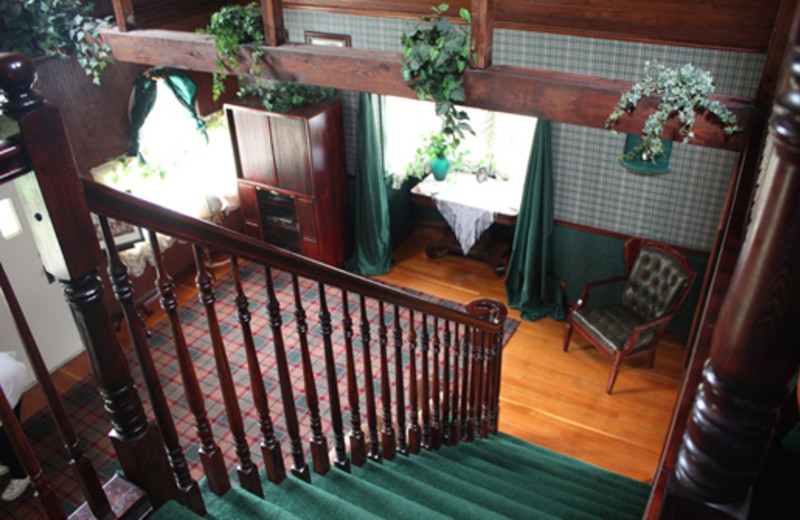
{"x":283,"y":96}
{"x":234,"y":26}
{"x":435,"y":56}
{"x":684,"y":92}
{"x":55,"y":28}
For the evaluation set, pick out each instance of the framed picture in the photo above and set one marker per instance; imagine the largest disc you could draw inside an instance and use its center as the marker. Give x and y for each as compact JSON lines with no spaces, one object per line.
{"x":125,"y":235}
{"x":328,"y":39}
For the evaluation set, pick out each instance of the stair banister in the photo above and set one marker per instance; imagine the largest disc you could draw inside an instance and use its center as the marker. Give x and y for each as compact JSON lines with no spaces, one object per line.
{"x":754,"y":354}
{"x":58,"y":213}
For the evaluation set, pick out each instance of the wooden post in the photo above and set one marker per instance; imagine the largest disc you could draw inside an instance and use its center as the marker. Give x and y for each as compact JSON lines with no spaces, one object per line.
{"x":54,"y":204}
{"x":123,"y":12}
{"x":482,"y":33}
{"x":274,"y":29}
{"x":754,"y":355}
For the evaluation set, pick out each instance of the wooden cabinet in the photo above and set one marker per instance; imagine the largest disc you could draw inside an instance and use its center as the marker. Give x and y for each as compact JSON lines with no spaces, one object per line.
{"x":292,"y":177}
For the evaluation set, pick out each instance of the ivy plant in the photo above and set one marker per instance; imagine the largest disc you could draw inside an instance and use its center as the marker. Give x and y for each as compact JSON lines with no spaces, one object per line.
{"x":285,"y":95}
{"x":684,"y":92}
{"x":435,"y":56}
{"x":233,"y":26}
{"x":56,"y":28}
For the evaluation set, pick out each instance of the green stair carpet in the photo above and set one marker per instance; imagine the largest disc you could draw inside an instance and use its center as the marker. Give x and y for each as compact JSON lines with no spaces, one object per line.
{"x":502,"y":477}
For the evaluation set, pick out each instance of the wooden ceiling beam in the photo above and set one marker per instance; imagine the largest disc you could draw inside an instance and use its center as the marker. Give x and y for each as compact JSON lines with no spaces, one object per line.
{"x":561,"y":97}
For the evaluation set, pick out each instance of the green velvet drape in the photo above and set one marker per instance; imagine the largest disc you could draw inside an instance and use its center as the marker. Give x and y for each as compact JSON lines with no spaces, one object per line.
{"x":530,"y":286}
{"x":144,"y":98}
{"x":372,"y":244}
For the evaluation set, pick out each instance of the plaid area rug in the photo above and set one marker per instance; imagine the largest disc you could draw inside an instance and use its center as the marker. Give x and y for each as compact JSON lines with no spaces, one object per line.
{"x":85,"y":408}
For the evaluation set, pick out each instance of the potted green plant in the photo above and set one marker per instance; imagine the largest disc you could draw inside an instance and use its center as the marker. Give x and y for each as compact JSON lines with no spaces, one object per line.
{"x":234,"y":26}
{"x":435,"y":56}
{"x":282,"y":96}
{"x":684,"y":92}
{"x":55,"y":28}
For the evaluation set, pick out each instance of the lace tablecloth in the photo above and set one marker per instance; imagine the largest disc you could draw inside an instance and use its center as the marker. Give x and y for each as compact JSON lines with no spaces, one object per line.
{"x":469,"y":206}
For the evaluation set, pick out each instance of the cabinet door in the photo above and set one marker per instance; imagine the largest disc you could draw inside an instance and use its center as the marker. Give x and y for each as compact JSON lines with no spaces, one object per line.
{"x":249,"y":204}
{"x":290,"y":148}
{"x":253,"y":147}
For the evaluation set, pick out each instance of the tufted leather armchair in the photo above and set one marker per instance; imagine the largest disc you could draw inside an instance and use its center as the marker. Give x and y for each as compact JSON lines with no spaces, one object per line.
{"x":657,"y":281}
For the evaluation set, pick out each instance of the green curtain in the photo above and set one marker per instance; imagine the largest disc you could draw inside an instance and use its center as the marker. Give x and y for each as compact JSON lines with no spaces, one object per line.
{"x":372,"y":244}
{"x":144,"y":98}
{"x":530,"y":286}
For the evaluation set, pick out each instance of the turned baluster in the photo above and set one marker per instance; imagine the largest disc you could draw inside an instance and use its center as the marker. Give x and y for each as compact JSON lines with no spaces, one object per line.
{"x":468,"y":395}
{"x":46,"y":499}
{"x":400,"y":407}
{"x":486,"y":385}
{"x":358,"y":450}
{"x":210,"y":455}
{"x":341,"y":461}
{"x":477,"y":386}
{"x":374,"y":452}
{"x":247,"y":471}
{"x":387,"y":433}
{"x":455,"y":421}
{"x":123,"y":288}
{"x":494,"y":403}
{"x":413,"y":399}
{"x":446,"y":386}
{"x":425,"y":399}
{"x":318,"y":442}
{"x":299,"y":466}
{"x":81,"y":465}
{"x":436,"y":430}
{"x":270,"y":447}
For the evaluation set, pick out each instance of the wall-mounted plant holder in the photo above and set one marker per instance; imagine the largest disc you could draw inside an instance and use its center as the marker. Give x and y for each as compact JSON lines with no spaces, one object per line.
{"x":640,"y":166}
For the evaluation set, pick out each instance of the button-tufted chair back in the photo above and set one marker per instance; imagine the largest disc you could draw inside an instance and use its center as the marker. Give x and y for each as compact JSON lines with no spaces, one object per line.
{"x":656,"y":280}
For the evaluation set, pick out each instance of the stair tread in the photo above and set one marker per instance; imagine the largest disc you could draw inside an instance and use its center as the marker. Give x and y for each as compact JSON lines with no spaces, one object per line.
{"x":557,"y":466}
{"x":523,"y":451}
{"x":410,"y":474}
{"x":375,"y":499}
{"x":526,"y":486}
{"x":310,"y":501}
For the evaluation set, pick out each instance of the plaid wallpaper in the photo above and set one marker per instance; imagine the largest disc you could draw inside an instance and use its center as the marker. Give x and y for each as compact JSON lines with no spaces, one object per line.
{"x":591,"y":188}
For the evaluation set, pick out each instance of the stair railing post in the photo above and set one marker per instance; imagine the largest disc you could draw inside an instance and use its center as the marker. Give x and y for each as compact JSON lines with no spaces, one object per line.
{"x":754,"y":354}
{"x":57,"y":210}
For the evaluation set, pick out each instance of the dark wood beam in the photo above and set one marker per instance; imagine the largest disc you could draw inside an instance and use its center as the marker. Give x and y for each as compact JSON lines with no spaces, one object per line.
{"x":566,"y":98}
{"x":123,"y":12}
{"x":482,"y":33}
{"x":274,"y":28}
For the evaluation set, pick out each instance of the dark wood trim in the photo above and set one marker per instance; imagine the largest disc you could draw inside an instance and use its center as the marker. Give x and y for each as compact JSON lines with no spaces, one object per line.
{"x":737,"y":26}
{"x":566,"y":98}
{"x":482,"y":33}
{"x":623,"y":236}
{"x":274,"y":28}
{"x":123,"y":12}
{"x":776,"y":53}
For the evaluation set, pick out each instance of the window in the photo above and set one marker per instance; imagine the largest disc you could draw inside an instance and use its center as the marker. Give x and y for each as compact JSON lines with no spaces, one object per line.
{"x":182,"y":170}
{"x":9,"y":223}
{"x":502,"y":138}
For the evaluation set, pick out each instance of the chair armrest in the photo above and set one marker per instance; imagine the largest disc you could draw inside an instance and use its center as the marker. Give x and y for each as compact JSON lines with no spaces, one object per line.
{"x":591,"y":285}
{"x":638,"y":329}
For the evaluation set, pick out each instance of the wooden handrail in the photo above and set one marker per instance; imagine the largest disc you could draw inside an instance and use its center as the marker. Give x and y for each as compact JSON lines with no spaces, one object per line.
{"x":121,"y":206}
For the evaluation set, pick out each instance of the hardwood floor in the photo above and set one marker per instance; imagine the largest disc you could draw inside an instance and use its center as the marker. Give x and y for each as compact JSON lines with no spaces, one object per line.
{"x":556,"y":399}
{"x":548,"y":397}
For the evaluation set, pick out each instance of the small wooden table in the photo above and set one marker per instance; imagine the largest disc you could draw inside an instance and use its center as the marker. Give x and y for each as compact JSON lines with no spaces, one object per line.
{"x":489,"y":248}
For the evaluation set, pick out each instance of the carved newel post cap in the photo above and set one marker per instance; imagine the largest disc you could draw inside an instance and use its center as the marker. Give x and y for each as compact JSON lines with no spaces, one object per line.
{"x":17,"y":77}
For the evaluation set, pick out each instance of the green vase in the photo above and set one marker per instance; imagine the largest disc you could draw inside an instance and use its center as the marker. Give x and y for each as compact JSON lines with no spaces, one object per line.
{"x":440,"y":166}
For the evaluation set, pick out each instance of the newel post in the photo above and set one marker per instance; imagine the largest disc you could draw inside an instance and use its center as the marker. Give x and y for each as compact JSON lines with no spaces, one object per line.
{"x":754,"y":350}
{"x":491,"y":355}
{"x":57,"y":210}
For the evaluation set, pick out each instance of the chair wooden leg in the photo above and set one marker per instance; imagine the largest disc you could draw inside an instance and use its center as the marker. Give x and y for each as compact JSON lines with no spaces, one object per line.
{"x":567,"y":335}
{"x":614,"y":371}
{"x":651,"y":358}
